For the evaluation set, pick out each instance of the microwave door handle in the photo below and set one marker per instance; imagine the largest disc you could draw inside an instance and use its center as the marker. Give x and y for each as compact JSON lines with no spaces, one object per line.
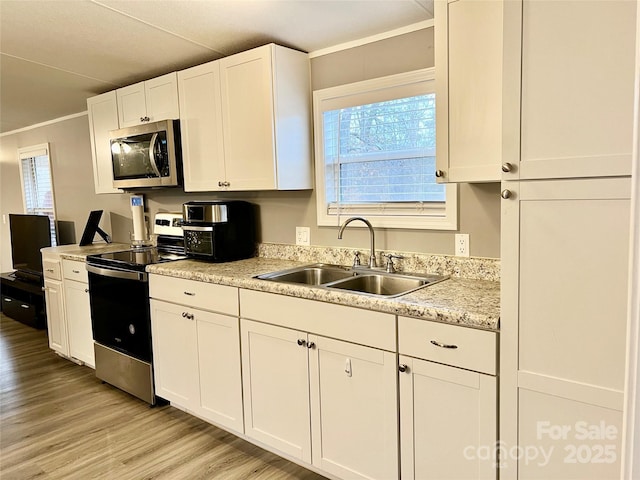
{"x":152,"y":155}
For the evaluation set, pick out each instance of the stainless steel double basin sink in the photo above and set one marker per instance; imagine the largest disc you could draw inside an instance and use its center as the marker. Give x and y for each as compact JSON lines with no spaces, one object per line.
{"x":361,"y":280}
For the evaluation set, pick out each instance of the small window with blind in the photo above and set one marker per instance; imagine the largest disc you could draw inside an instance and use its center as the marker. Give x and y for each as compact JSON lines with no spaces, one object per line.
{"x":375,"y":154}
{"x":37,"y":185}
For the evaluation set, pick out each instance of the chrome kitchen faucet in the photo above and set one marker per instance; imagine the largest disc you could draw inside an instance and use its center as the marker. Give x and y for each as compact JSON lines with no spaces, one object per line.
{"x":372,"y":258}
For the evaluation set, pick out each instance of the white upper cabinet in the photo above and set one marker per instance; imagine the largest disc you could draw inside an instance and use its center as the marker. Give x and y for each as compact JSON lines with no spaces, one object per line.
{"x":149,"y":101}
{"x":577,"y":87}
{"x":103,"y":117}
{"x":468,"y":41}
{"x":526,"y":90}
{"x":201,"y":127}
{"x":254,"y":110}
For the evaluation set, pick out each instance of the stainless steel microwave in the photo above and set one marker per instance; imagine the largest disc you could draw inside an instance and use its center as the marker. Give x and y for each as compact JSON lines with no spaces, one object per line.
{"x":146,"y":155}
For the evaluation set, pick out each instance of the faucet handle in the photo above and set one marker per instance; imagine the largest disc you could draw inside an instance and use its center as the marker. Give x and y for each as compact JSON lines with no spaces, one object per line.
{"x":356,"y":259}
{"x":390,"y":266}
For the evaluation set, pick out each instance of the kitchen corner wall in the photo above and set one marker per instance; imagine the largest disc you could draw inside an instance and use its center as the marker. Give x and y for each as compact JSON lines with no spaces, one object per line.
{"x":280,"y":212}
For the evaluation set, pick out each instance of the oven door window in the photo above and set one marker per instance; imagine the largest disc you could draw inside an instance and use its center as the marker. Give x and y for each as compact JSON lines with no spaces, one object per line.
{"x":120,"y":316}
{"x":140,"y":156}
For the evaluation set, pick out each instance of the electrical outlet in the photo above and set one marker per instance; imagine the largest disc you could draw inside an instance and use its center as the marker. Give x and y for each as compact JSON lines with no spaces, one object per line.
{"x":462,"y":245}
{"x":302,"y":235}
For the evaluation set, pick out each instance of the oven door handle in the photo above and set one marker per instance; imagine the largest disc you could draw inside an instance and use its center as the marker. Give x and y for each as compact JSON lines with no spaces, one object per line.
{"x":108,"y":272}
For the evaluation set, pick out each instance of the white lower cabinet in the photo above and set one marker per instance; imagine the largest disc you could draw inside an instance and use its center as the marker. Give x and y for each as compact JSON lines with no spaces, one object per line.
{"x":447,"y":422}
{"x":329,"y":403}
{"x":78,"y":311}
{"x":76,"y":297}
{"x":56,"y":322}
{"x":175,"y":355}
{"x":196,"y":351}
{"x":448,"y":415}
{"x":354,"y":407}
{"x":276,"y":388}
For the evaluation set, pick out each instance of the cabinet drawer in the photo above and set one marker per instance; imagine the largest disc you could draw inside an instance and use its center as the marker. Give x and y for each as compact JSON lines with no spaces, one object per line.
{"x":19,"y":310}
{"x":356,"y":325}
{"x":207,"y":296}
{"x":449,"y":344}
{"x":74,"y":270}
{"x":51,"y":269}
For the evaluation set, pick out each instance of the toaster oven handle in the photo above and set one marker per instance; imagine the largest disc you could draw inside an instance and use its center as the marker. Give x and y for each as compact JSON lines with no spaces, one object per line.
{"x":152,"y":155}
{"x":194,"y":228}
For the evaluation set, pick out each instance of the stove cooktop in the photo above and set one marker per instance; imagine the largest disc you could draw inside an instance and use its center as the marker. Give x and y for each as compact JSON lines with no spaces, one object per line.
{"x":135,"y":259}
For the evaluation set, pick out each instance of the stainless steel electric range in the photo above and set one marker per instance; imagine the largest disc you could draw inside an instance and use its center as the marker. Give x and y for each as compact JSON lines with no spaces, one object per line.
{"x":120,"y":315}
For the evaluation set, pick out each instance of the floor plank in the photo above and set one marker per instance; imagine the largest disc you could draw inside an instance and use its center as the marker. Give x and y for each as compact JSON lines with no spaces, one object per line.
{"x":58,"y":421}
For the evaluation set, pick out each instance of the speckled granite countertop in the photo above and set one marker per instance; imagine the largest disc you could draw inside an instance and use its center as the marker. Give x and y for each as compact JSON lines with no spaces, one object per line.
{"x":75,"y":252}
{"x":471,"y":303}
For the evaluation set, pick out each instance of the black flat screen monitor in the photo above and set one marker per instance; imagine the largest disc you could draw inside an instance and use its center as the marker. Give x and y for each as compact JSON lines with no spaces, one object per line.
{"x":91,"y":228}
{"x":29,"y":233}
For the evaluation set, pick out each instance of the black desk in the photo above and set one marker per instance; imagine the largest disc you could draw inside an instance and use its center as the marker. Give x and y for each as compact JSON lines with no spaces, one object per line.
{"x":23,"y":301}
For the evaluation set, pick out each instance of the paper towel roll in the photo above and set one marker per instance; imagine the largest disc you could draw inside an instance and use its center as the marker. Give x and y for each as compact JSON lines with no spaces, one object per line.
{"x":137,"y":212}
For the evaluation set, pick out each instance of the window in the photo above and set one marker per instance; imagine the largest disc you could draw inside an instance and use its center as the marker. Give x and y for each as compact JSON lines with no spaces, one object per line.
{"x":375,"y":154}
{"x":37,"y":187}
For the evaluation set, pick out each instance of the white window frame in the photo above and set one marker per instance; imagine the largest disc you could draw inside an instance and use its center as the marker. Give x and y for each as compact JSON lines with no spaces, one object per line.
{"x":386,"y":215}
{"x":32,"y":152}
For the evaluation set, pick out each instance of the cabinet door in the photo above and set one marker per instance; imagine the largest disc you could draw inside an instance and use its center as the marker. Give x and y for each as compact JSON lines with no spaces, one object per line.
{"x":248,"y":119}
{"x":448,"y":422}
{"x":201,"y":128}
{"x":354,"y":409}
{"x":175,"y":357}
{"x":103,"y":117}
{"x":56,"y":321}
{"x":132,"y":106}
{"x":469,"y":90}
{"x":564,"y":299}
{"x":76,"y":297}
{"x":577,"y":88}
{"x":161,"y":95}
{"x":219,"y":370}
{"x":275,"y":380}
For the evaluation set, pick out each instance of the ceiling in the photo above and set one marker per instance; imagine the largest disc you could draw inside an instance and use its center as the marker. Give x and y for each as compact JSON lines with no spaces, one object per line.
{"x":54,"y":54}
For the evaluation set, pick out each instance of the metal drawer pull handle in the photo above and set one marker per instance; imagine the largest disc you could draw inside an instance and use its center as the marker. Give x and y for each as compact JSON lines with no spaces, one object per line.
{"x":75,"y":271}
{"x":443,"y":345}
{"x":187,"y":315}
{"x":25,"y":306}
{"x":191,"y":294}
{"x":50,"y":270}
{"x":6,"y":299}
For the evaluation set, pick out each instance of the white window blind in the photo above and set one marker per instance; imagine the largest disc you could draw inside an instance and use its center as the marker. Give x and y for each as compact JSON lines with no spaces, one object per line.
{"x":375,"y":154}
{"x":37,"y":185}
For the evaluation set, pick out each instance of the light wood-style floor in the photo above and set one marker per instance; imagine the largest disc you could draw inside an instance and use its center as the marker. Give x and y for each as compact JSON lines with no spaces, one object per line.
{"x":57,"y":421}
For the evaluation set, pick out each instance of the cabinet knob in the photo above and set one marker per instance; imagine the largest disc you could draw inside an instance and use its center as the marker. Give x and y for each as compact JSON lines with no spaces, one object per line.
{"x":86,"y":290}
{"x":144,"y":119}
{"x":191,"y":294}
{"x":403,"y":368}
{"x":439,"y":174}
{"x":311,"y":345}
{"x":301,"y":342}
{"x":187,"y":315}
{"x":505,"y":194}
{"x":507,"y":167}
